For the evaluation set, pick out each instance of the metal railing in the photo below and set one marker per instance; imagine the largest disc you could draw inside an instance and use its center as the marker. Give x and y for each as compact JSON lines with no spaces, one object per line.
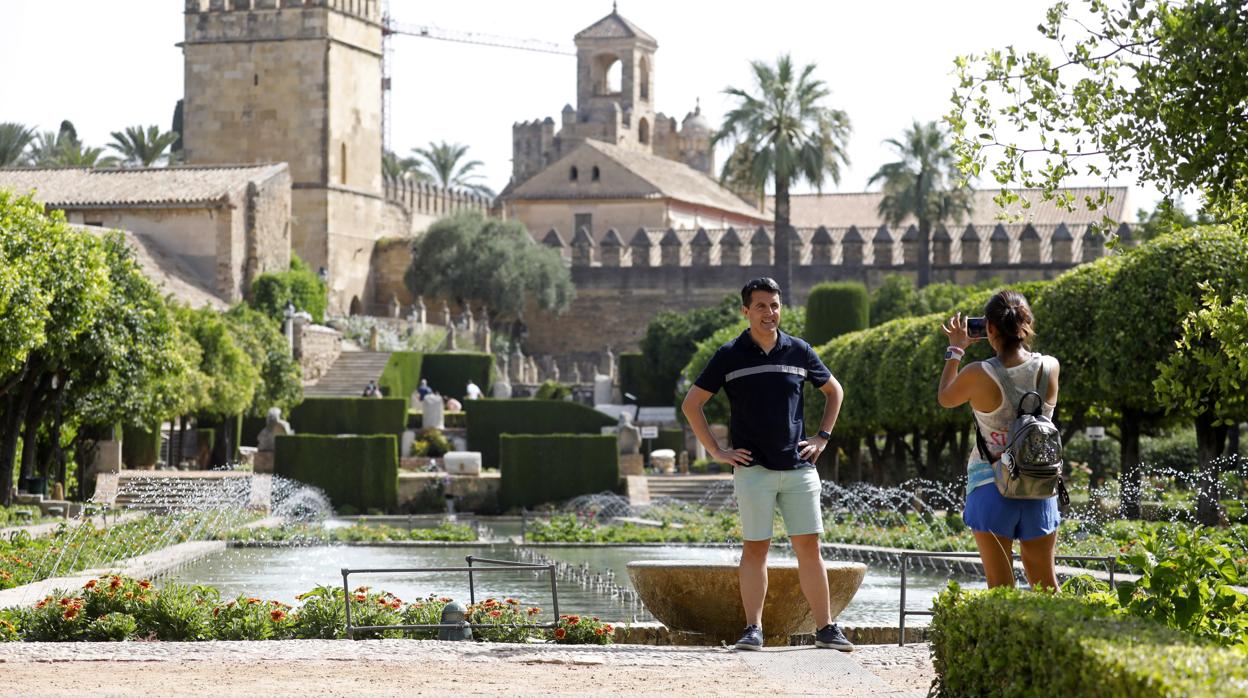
{"x":503,"y":566}
{"x":905,"y":557}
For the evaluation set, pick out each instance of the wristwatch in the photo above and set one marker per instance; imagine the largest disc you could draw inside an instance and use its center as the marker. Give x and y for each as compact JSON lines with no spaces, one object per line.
{"x":950,"y":355}
{"x":827,"y":435}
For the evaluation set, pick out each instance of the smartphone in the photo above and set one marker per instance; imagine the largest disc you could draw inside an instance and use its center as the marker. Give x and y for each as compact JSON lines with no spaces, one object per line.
{"x":976,"y":327}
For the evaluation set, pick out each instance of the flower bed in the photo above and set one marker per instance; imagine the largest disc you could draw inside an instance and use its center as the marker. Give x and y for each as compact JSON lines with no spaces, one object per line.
{"x":116,"y":608}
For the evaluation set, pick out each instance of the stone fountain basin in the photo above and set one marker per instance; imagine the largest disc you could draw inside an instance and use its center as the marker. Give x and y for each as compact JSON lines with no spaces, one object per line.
{"x":705,"y":597}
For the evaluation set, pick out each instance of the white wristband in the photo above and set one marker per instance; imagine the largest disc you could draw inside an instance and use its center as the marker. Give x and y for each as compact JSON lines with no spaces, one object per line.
{"x":956,"y":352}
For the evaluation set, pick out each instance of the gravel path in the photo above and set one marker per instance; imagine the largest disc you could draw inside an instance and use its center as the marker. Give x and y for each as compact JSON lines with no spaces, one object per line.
{"x":403,"y":667}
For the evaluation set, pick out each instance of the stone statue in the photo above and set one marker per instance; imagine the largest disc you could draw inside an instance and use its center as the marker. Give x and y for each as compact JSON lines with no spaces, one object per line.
{"x":432,"y":412}
{"x":468,"y":319}
{"x":485,"y":335}
{"x":274,"y":426}
{"x":419,"y":311}
{"x":576,"y":374}
{"x":610,"y":367}
{"x":554,"y":370}
{"x":446,"y":314}
{"x":630,"y":436}
{"x":396,"y":308}
{"x":517,"y":365}
{"x":450,"y":336}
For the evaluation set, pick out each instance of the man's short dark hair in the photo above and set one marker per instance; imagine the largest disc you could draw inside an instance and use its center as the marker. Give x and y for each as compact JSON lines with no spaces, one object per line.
{"x":762,"y":283}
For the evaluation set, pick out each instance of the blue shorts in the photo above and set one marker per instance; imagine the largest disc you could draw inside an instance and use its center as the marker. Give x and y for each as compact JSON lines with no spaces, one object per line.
{"x":1017,"y":519}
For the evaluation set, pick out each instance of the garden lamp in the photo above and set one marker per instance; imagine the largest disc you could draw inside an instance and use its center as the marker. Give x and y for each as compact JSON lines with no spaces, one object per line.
{"x":454,"y":613}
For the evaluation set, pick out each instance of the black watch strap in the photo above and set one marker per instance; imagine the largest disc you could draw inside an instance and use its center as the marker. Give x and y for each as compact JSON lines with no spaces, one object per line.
{"x":827,"y":436}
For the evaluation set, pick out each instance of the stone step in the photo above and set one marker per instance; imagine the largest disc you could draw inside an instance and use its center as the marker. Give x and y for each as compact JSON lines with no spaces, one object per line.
{"x":349,"y":374}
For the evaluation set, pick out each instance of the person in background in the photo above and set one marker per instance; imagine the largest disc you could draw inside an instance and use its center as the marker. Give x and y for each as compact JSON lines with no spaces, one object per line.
{"x":423,"y":391}
{"x":472,"y":391}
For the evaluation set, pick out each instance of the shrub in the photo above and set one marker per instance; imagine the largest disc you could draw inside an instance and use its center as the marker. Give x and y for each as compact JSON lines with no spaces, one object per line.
{"x":835,"y":308}
{"x":427,"y":611}
{"x":449,"y":373}
{"x":582,"y":630}
{"x":250,"y":618}
{"x":360,"y":471}
{"x":1175,"y":451}
{"x":112,"y":627}
{"x":401,"y":376}
{"x":502,"y":617}
{"x":431,"y":443}
{"x":300,"y":285}
{"x":550,"y":390}
{"x":350,"y":415}
{"x":548,"y":468}
{"x":487,"y":419}
{"x":1006,"y":642}
{"x":140,"y":446}
{"x":321,"y":616}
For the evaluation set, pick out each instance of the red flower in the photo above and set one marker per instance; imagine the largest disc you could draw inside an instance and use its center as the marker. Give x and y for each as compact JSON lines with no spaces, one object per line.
{"x":560,"y":633}
{"x":609,"y":628}
{"x":253,"y":600}
{"x":145,"y":584}
{"x":534,"y":611}
{"x":114,"y":582}
{"x":216,"y":612}
{"x":599,"y":631}
{"x":513,"y":602}
{"x":70,"y":613}
{"x":43,"y":602}
{"x":445,"y":600}
{"x":129,"y":594}
{"x":360,"y":597}
{"x":396,"y":604}
{"x":573,"y":620}
{"x":90,"y":584}
{"x":278,"y":615}
{"x":495,"y":614}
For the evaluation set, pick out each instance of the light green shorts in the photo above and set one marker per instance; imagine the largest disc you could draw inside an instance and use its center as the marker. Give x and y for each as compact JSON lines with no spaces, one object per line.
{"x":758,"y":490}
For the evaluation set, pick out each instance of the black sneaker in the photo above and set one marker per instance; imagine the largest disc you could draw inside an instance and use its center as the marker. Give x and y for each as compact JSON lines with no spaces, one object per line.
{"x":752,"y":639}
{"x":830,"y":636}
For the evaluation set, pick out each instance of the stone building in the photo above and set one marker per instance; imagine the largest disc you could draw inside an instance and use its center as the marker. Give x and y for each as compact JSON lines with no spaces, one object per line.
{"x":216,"y":228}
{"x":615,"y":161}
{"x":296,"y":81}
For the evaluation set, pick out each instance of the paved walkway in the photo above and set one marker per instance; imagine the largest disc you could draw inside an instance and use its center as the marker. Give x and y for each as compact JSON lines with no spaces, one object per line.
{"x":403,"y":667}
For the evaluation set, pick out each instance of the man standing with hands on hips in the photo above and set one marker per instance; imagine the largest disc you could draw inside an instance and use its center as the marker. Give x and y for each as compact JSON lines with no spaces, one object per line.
{"x":762,"y":372}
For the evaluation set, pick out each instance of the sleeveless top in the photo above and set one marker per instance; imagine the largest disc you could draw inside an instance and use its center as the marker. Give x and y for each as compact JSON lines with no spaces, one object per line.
{"x":995,"y":425}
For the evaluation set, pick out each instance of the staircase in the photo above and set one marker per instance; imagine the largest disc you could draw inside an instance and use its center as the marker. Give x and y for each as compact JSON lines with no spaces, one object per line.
{"x":171,"y":490}
{"x":713,"y":491}
{"x":349,"y":374}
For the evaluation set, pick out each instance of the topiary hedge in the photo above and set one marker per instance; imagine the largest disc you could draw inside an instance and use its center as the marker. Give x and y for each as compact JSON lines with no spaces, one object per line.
{"x":1013,"y":643}
{"x":140,"y":446}
{"x":350,"y":415}
{"x":401,"y":376}
{"x":631,"y":375}
{"x":488,"y":419}
{"x":449,"y":373}
{"x":553,"y":467}
{"x":835,"y":308}
{"x":359,"y":471}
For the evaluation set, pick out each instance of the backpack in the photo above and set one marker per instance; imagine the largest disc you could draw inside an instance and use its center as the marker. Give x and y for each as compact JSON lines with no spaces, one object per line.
{"x":1031,"y":465}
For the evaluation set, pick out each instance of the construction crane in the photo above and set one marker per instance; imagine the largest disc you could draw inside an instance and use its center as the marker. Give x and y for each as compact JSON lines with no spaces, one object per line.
{"x":390,"y":27}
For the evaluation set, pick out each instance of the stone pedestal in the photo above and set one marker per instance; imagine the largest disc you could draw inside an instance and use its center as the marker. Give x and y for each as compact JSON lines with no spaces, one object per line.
{"x":264,"y":463}
{"x":664,"y":460}
{"x":431,"y":416}
{"x":632,"y":464}
{"x":462,"y":462}
{"x":702,"y":597}
{"x":602,"y":390}
{"x":638,"y":489}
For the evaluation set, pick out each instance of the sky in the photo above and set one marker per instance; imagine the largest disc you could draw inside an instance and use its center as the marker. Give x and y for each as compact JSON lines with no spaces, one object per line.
{"x":108,"y":65}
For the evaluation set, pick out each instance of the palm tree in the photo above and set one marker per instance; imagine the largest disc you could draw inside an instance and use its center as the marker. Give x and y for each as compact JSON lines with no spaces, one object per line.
{"x":141,"y":147}
{"x":63,"y":149}
{"x":441,"y":161}
{"x":920,"y":185}
{"x":783,"y":133}
{"x":403,"y":168}
{"x":13,"y":141}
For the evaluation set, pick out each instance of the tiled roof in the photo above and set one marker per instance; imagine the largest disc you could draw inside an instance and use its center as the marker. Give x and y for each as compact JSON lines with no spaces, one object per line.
{"x":613,"y":26}
{"x":862,"y":208}
{"x":134,"y":187}
{"x":657,"y":177}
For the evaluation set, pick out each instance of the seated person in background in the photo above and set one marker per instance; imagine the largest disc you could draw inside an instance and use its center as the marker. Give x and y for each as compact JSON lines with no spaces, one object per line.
{"x":472,"y":391}
{"x":453,"y":405}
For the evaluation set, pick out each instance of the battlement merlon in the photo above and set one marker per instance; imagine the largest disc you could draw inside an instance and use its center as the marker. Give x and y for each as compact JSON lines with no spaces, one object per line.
{"x":354,"y":23}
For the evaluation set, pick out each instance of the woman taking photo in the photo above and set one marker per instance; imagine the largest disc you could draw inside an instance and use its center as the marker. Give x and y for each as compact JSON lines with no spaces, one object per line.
{"x":996,"y":520}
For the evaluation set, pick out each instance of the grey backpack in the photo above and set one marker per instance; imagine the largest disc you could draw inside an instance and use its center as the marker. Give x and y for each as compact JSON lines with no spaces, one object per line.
{"x":1031,"y":465}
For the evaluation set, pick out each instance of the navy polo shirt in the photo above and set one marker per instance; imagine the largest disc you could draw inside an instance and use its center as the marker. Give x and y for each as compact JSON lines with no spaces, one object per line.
{"x":765,"y":392}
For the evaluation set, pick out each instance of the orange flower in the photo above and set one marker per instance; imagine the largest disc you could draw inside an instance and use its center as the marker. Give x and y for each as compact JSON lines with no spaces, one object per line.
{"x":595,"y":618}
{"x":609,"y":628}
{"x":114,"y":582}
{"x":70,"y":613}
{"x":42,"y":603}
{"x":396,"y":604}
{"x":360,"y":597}
{"x":489,"y":602}
{"x":252,"y":600}
{"x":560,"y":633}
{"x":573,"y":620}
{"x":534,"y":611}
{"x":90,"y":584}
{"x":5,"y":575}
{"x":65,"y":601}
{"x":278,"y":615}
{"x":495,"y":614}
{"x":513,"y":602}
{"x":129,"y":594}
{"x":361,"y":590}
{"x":599,"y":631}
{"x":145,"y":584}
{"x":445,"y":599}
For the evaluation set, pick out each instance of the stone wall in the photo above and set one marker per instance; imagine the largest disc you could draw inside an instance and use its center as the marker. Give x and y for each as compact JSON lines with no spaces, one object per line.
{"x":316,"y":348}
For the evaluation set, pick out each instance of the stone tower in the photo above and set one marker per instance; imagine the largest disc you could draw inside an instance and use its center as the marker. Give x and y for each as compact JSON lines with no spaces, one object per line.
{"x":615,"y":104}
{"x":296,"y":81}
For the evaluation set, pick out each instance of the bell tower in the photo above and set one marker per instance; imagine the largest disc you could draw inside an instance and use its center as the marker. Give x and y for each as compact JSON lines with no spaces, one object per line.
{"x":615,"y":82}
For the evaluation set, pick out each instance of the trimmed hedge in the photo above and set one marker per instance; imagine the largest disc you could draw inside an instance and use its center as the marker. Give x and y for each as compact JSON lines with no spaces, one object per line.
{"x":632,"y":375}
{"x":451,"y":420}
{"x":553,"y":467}
{"x":836,"y":308}
{"x":252,"y":426}
{"x":140,"y":446}
{"x":488,"y":419}
{"x":448,"y":373}
{"x":359,"y":471}
{"x":1007,"y":642}
{"x":350,"y":415}
{"x":219,"y":427}
{"x":401,"y":376}
{"x":668,"y":438}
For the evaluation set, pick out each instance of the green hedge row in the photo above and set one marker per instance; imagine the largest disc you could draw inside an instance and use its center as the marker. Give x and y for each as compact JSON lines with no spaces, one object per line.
{"x":350,"y":415}
{"x":401,"y":376}
{"x":140,"y":446}
{"x":554,"y":467}
{"x":632,"y":376}
{"x":448,"y":373}
{"x":359,"y":471}
{"x":1014,"y":643}
{"x":223,"y":430}
{"x":451,"y":420}
{"x":488,"y":419}
{"x":668,"y":438}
